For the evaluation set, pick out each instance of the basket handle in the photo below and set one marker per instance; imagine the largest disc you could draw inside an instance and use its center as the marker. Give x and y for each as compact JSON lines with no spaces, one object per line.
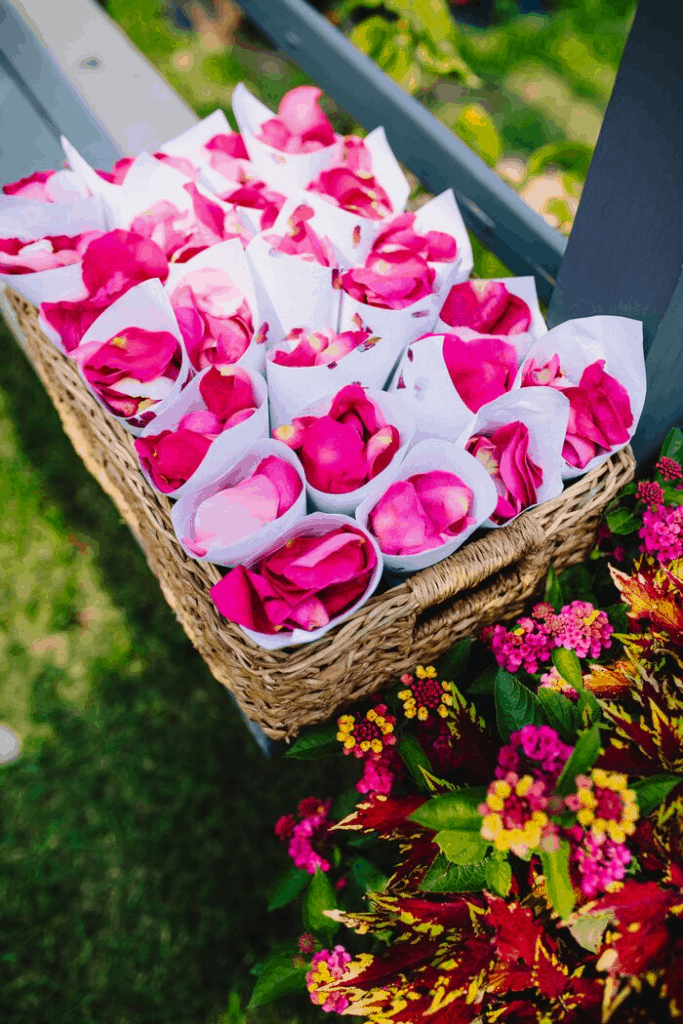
{"x":522,"y":541}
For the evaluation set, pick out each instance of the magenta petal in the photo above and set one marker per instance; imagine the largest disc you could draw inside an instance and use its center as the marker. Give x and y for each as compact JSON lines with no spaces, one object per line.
{"x":381,"y":448}
{"x":171,"y":457}
{"x":244,"y":597}
{"x":481,"y":369}
{"x":333,"y":457}
{"x":352,"y":400}
{"x":239,"y":417}
{"x":31,"y":187}
{"x":201,"y":422}
{"x":310,"y":614}
{"x":300,"y":111}
{"x":445,"y":499}
{"x":486,"y":307}
{"x":232,"y":145}
{"x":226,"y":394}
{"x":284,"y":478}
{"x":120,"y":259}
{"x":400,"y":523}
{"x":335,"y":558}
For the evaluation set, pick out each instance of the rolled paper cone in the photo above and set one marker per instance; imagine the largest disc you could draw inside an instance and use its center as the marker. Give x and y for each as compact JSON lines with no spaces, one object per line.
{"x":424,"y":458}
{"x":544,"y":412}
{"x":90,"y":179}
{"x":403,"y":326}
{"x":616,"y":339}
{"x":370,"y":364}
{"x":422,"y":379}
{"x":145,"y":306}
{"x":284,"y":172}
{"x":398,"y":414}
{"x":525,"y":289}
{"x":229,"y":444}
{"x":315,"y":525}
{"x":230,"y":257}
{"x":238,"y":469}
{"x":190,"y":145}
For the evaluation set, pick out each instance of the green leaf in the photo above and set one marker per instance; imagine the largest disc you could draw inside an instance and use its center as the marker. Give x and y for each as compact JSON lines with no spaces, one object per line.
{"x":452,"y":665}
{"x":560,"y":713}
{"x":557,"y":880}
{"x":456,"y":810}
{"x":414,"y":758}
{"x":345,"y":804}
{"x":371,"y":35}
{"x":279,"y":977}
{"x":588,"y":931}
{"x":314,"y":743}
{"x":484,"y":682}
{"x":653,"y":791}
{"x":553,"y":590}
{"x":588,"y":708}
{"x":672,"y":496}
{"x":288,"y":887}
{"x":583,"y":757}
{"x":568,"y":665}
{"x":621,"y":521}
{"x":478,"y":130}
{"x":443,"y":876}
{"x":368,"y":876}
{"x":434,"y":783}
{"x":569,"y":155}
{"x":498,"y":876}
{"x":461,"y":847}
{"x":673,"y":445}
{"x":320,"y":897}
{"x":516,"y":705}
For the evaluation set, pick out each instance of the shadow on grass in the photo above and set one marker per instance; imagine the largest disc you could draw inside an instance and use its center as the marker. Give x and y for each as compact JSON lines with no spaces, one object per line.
{"x":137,"y":850}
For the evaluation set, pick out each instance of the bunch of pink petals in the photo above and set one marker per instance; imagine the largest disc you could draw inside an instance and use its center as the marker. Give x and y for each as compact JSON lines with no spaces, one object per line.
{"x":227,"y":154}
{"x":302,"y":585}
{"x":319,"y":348}
{"x":433,"y":246}
{"x":132,"y":371}
{"x":481,"y":369}
{"x":300,"y":125}
{"x":487,"y":307}
{"x":256,"y":195}
{"x":303,"y":241}
{"x":599,"y":408}
{"x":237,"y":512}
{"x":355,"y":191}
{"x":422,"y":512}
{"x":182,"y":234}
{"x":504,"y":454}
{"x":172,"y":456}
{"x":347,"y":447}
{"x":18,"y":256}
{"x":112,"y":265}
{"x":214,"y":318}
{"x":390,"y":280}
{"x":35,"y":186}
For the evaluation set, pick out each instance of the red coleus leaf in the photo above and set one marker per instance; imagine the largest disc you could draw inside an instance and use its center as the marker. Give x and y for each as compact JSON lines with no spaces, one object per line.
{"x":638,"y":936}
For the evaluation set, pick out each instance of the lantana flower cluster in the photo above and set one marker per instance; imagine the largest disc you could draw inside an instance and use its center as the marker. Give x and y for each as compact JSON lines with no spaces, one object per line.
{"x":578,"y":626}
{"x":306,"y":836}
{"x":372,"y":738}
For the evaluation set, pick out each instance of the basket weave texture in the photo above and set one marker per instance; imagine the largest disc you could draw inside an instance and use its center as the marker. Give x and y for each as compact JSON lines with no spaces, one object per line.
{"x":488,"y":580}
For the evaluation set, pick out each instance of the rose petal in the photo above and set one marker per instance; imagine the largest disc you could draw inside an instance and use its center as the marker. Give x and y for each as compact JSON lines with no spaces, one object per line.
{"x":400,"y":523}
{"x":245,"y":597}
{"x":445,"y":499}
{"x":333,"y":456}
{"x":237,"y":512}
{"x":487,"y":307}
{"x":284,"y":478}
{"x":225,"y":394}
{"x":481,"y":369}
{"x":172,"y":457}
{"x":381,"y":448}
{"x":202,"y":422}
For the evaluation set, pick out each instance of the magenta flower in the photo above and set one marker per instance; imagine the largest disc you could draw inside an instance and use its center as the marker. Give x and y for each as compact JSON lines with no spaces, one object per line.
{"x":348,"y":446}
{"x":486,"y":307}
{"x":434,"y":246}
{"x":303,"y":241}
{"x":239,"y":511}
{"x":599,"y":861}
{"x":302,"y":585}
{"x":328,"y":966}
{"x":355,"y":192}
{"x":481,"y":369}
{"x":390,"y":280}
{"x":112,"y":265}
{"x":214,"y":318}
{"x":534,"y":750}
{"x":377,"y":776}
{"x":504,"y":454}
{"x":301,"y":126}
{"x":599,"y":416}
{"x":420,"y":513}
{"x":227,"y":154}
{"x":132,"y":371}
{"x":584,"y":629}
{"x":35,"y":187}
{"x":319,"y":348}
{"x":21,"y":257}
{"x":256,"y":195}
{"x":662,"y":533}
{"x":669,"y":469}
{"x":649,"y":492}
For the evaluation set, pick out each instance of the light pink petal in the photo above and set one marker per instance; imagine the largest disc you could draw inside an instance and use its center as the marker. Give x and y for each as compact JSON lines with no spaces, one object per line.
{"x":445,"y":499}
{"x":284,"y":478}
{"x":400,"y":523}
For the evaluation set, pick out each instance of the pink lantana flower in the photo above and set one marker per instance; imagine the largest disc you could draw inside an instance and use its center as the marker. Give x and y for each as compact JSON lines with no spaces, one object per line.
{"x":300,"y":125}
{"x":214,"y":317}
{"x":486,"y":307}
{"x":422,"y":512}
{"x":30,"y":257}
{"x":302,"y":241}
{"x":504,"y":454}
{"x":318,"y":348}
{"x":662,"y":533}
{"x":328,"y":966}
{"x":347,"y":447}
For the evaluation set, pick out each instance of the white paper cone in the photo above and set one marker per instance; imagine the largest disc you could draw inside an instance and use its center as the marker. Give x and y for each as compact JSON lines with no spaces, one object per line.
{"x":443,"y":214}
{"x":230,"y":257}
{"x":145,"y":306}
{"x":524,"y":288}
{"x":32,"y":221}
{"x":298,"y":293}
{"x":422,"y":379}
{"x":238,"y":469}
{"x":544,"y":411}
{"x":315,"y":525}
{"x":369,"y":365}
{"x":89,"y":177}
{"x":423,"y":458}
{"x":229,"y":445}
{"x":63,"y":186}
{"x":398,"y":414}
{"x":282,"y":171}
{"x":403,"y":326}
{"x":616,"y":339}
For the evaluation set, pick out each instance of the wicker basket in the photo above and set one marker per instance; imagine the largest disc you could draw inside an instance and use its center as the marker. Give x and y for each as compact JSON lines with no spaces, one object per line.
{"x":486,"y":581}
